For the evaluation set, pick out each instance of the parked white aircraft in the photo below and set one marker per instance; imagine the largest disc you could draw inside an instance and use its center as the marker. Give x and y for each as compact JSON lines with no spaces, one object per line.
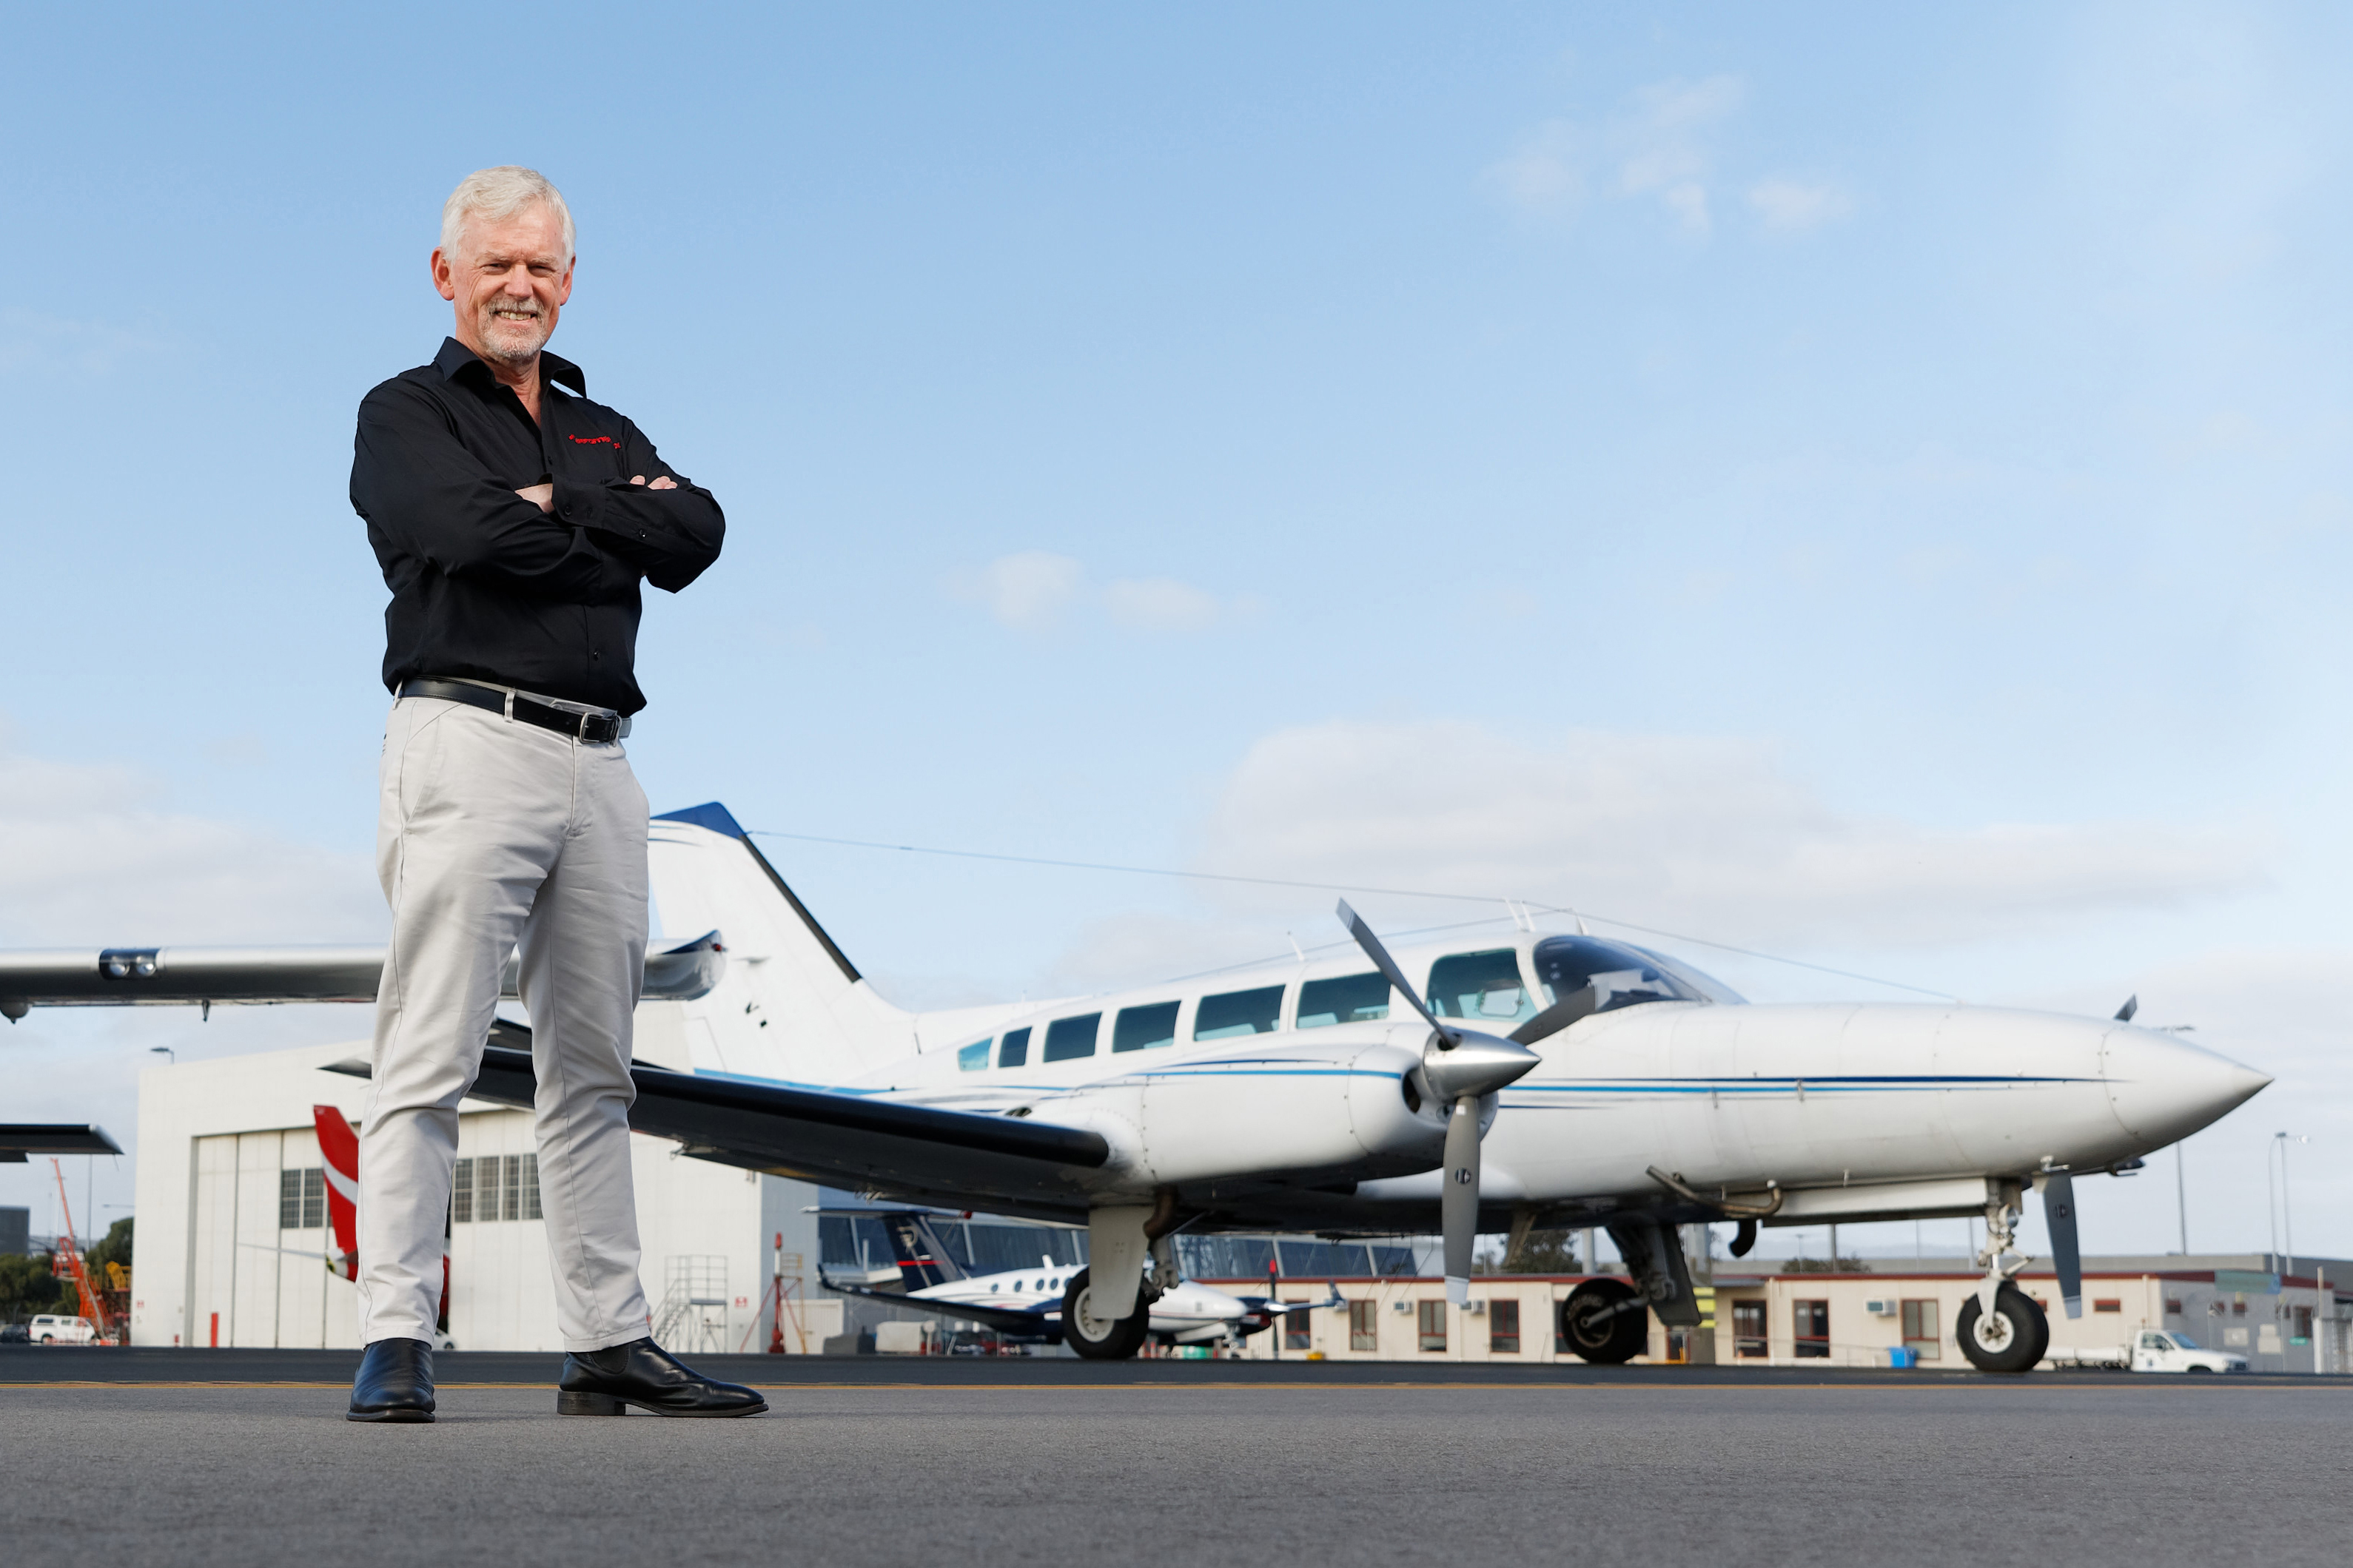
{"x":1350,"y":1098}
{"x":1027,"y":1303}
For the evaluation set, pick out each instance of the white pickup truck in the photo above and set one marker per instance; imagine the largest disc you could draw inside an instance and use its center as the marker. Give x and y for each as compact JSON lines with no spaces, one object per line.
{"x":2153,"y":1350}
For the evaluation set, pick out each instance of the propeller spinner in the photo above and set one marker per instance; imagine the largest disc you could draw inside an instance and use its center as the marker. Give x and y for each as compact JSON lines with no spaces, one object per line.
{"x":1458,"y":1065}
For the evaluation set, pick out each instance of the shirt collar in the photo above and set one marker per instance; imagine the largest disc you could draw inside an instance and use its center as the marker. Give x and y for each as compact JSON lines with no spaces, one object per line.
{"x":456,"y":356}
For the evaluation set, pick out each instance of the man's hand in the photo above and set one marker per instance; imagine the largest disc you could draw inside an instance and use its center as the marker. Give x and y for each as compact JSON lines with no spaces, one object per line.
{"x":663,"y":483}
{"x":540,"y":495}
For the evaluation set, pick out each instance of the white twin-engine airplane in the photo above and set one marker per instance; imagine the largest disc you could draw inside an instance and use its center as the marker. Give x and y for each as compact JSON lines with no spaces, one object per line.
{"x":1363,"y":1097}
{"x":1027,"y":1303}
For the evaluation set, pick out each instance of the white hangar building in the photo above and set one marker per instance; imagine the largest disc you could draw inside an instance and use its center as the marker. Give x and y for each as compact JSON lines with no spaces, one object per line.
{"x":233,"y":1243}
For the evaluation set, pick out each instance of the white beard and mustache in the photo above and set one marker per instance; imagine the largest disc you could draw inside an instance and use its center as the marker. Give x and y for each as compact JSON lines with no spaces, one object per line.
{"x":510,"y":340}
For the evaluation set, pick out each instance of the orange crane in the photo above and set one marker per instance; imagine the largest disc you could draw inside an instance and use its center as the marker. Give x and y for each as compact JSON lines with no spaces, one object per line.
{"x":70,"y":1263}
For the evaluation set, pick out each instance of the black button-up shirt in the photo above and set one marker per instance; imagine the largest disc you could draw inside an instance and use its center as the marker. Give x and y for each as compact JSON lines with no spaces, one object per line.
{"x":486,"y":585}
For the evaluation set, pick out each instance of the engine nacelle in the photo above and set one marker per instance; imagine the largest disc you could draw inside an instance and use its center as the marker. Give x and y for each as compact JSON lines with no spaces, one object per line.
{"x":1271,"y":1115}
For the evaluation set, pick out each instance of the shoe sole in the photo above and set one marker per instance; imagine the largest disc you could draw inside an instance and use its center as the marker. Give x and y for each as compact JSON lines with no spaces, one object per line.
{"x":392,"y":1417}
{"x":569,"y":1404}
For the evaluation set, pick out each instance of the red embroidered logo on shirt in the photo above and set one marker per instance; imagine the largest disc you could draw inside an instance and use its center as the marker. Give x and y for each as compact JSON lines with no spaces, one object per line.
{"x":592,"y":440}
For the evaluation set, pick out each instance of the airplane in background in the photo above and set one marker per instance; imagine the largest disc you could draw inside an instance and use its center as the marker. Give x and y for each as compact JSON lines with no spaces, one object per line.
{"x":1364,"y":1096}
{"x":1027,"y":1303}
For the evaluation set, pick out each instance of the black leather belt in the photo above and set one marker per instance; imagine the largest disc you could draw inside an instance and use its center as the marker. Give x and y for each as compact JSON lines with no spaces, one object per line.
{"x":595,"y":727}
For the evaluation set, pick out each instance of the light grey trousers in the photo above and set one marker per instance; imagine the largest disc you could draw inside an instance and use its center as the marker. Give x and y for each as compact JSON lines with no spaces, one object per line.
{"x":494,"y":836}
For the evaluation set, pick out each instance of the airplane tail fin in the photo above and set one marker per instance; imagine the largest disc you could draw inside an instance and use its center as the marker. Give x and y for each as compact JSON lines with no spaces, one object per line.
{"x":790,"y":1003}
{"x":924,"y":1259}
{"x":339,"y":1148}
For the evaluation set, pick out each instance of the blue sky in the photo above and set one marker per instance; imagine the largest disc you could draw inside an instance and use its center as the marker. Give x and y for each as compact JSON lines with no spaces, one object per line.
{"x":1866,"y":486}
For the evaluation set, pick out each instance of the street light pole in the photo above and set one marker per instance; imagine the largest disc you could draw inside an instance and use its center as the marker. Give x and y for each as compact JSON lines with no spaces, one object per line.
{"x":2288,"y":1218}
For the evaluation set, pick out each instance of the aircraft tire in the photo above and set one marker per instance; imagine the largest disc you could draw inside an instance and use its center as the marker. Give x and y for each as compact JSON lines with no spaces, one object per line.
{"x":2012,"y":1345}
{"x":1604,"y":1340}
{"x":1120,"y":1341}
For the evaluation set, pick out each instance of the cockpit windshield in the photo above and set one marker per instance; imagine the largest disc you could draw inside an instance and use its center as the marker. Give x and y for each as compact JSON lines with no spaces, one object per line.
{"x":1621,"y":976}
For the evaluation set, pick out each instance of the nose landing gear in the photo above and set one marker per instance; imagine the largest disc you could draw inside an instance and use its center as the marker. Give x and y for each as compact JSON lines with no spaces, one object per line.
{"x":2000,"y":1328}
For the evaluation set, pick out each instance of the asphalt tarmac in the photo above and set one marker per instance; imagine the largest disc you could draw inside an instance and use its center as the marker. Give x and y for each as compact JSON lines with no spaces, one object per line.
{"x":243,"y":1456}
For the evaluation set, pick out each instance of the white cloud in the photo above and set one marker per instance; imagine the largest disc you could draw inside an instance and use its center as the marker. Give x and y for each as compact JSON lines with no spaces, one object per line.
{"x":1545,"y":176}
{"x":1029,"y":589}
{"x":1794,"y":206}
{"x":1693,"y":833}
{"x":1033,"y":590}
{"x":1158,"y":604}
{"x":1659,"y":145}
{"x":89,"y":855}
{"x":1664,"y":147}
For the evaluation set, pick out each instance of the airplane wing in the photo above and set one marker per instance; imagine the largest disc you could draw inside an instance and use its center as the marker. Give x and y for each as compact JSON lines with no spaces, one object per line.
{"x":1043,"y":1321}
{"x":154,"y":976}
{"x":19,"y":1139}
{"x":919,"y":1153}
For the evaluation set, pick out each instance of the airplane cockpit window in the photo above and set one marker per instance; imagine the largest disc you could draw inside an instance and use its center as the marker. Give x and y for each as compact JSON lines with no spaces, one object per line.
{"x":1343,"y":999}
{"x":1620,"y":975}
{"x":1258,"y":1012}
{"x":1485,"y":987}
{"x":1014,"y":1051}
{"x":973,"y":1058}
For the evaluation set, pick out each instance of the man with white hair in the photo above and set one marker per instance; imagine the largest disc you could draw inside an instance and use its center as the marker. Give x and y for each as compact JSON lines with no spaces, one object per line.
{"x":513,"y":520}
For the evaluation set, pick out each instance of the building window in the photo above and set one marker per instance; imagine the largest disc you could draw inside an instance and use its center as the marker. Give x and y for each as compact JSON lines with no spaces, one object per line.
{"x":1298,"y":1333}
{"x":511,"y":1206}
{"x":1364,"y":1327}
{"x":1503,"y":1328}
{"x":2239,"y":1308}
{"x":1921,"y":1335}
{"x":1809,"y":1329}
{"x":2107,"y":1304}
{"x":530,"y":1186}
{"x":302,"y":1199}
{"x":1256,"y":1012}
{"x":2300,"y":1325}
{"x":1432,"y":1318}
{"x":2172,"y":1306}
{"x":461,"y":1193}
{"x":1067,"y":1040}
{"x":1748,"y":1339}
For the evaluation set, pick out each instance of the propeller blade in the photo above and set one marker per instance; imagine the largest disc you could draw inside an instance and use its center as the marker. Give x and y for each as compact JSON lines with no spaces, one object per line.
{"x":2058,"y":1218}
{"x":2132,"y":1005}
{"x":1459,"y":1203}
{"x":1389,"y":967}
{"x":1577,"y":1004}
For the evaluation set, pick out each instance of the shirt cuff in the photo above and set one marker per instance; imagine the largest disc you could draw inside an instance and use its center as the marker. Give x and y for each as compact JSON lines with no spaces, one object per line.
{"x":581,"y":505}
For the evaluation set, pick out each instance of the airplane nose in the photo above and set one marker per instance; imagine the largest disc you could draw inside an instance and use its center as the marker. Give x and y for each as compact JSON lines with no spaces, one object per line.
{"x":2162,"y":1089}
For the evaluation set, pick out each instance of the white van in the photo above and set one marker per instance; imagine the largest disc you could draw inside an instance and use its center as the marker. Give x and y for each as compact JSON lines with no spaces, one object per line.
{"x":51,"y":1330}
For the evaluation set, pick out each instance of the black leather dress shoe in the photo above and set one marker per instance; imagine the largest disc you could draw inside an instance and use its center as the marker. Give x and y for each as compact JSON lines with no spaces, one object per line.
{"x":601,"y":1383}
{"x":395,"y":1383}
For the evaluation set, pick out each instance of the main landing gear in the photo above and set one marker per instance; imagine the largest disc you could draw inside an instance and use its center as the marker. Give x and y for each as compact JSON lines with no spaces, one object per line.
{"x":1098,"y":1337}
{"x":1605,"y":1322}
{"x":2000,"y":1328}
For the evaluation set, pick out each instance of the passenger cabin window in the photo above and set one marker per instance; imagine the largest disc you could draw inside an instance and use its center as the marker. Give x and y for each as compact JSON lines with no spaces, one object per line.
{"x":1481,"y":985}
{"x":972,"y":1057}
{"x":1256,"y":1012}
{"x":1346,"y":999}
{"x":1067,"y":1039}
{"x":1014,"y":1051}
{"x":1140,"y":1028}
{"x":1620,"y":976}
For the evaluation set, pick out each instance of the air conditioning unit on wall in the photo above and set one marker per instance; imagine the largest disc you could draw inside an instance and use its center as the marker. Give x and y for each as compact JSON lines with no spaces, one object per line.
{"x":1880,"y":1309}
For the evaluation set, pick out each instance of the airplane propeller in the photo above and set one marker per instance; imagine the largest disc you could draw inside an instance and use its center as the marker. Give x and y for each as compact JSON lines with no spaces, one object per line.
{"x":1458,"y":1065}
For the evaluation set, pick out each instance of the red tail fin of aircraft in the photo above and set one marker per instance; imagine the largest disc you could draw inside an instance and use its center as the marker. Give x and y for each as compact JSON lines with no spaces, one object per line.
{"x":339,"y":1145}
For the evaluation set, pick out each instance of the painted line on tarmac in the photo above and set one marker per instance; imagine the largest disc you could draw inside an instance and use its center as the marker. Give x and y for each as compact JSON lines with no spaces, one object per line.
{"x":787,"y":1389}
